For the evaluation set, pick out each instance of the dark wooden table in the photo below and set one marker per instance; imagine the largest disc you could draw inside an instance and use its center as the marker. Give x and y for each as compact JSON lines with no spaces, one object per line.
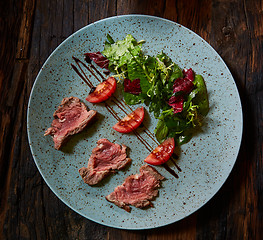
{"x":32,"y":29}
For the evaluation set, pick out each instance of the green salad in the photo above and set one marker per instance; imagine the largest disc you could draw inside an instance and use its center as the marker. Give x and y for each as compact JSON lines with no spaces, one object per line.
{"x":177,"y":98}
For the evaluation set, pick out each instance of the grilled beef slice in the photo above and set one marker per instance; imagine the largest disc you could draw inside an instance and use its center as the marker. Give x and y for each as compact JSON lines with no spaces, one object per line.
{"x":105,"y":158}
{"x":70,"y":118}
{"x":138,"y":189}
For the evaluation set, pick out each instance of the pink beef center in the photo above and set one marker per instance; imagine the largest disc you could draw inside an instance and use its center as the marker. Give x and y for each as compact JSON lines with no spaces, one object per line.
{"x":137,"y":189}
{"x":69,"y":120}
{"x":108,"y":158}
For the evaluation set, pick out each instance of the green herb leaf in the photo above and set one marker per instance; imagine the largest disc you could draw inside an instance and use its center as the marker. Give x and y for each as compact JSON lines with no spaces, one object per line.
{"x":201,"y":98}
{"x":161,"y":131}
{"x":110,"y":39}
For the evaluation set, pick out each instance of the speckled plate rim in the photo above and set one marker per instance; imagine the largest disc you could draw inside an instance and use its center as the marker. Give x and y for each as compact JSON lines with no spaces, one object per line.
{"x":32,"y":149}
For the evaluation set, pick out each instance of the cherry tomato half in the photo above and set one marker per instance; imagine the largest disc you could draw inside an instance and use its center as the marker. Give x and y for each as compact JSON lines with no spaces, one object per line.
{"x":103,"y":91}
{"x":162,"y":153}
{"x":130,"y":122}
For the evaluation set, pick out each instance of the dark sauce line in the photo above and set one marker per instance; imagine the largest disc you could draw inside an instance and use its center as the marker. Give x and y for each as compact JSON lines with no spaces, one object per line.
{"x":179,"y":169}
{"x":77,"y":71}
{"x":170,"y":170}
{"x":147,"y":133}
{"x":114,"y":114}
{"x":120,"y":107}
{"x":140,"y":138}
{"x":97,"y":71}
{"x":175,"y":156}
{"x":122,"y":103}
{"x":90,"y":70}
{"x":106,"y":72}
{"x":143,"y":141}
{"x":146,"y":129}
{"x":150,"y":135}
{"x":77,"y":62}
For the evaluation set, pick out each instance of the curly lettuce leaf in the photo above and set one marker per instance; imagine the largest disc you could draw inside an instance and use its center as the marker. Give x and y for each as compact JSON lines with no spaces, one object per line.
{"x":121,"y":52}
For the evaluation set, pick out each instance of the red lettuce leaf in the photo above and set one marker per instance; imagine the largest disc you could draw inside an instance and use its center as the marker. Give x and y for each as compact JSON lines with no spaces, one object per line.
{"x":183,"y":85}
{"x":132,"y":87}
{"x":177,"y":103}
{"x":188,"y":74}
{"x":98,"y":58}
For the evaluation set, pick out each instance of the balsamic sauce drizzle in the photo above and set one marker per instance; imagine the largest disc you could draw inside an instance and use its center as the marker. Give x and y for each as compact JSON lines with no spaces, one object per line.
{"x":173,"y":160}
{"x":103,"y":78}
{"x":87,"y":67}
{"x":170,"y":170}
{"x":113,"y":113}
{"x":122,"y":105}
{"x":149,"y":134}
{"x":147,"y":131}
{"x":142,"y":140}
{"x":77,"y":71}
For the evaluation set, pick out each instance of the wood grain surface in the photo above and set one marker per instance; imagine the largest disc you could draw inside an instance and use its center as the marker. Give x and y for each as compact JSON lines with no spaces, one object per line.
{"x":32,"y":29}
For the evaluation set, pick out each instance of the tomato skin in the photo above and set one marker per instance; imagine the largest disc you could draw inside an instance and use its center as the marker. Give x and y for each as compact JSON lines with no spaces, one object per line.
{"x":130,"y":122}
{"x":162,"y":153}
{"x":103,"y":91}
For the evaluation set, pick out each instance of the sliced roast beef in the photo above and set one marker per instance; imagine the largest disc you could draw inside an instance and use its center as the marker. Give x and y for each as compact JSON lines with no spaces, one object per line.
{"x":106,"y":157}
{"x":70,"y":118}
{"x":137,"y":190}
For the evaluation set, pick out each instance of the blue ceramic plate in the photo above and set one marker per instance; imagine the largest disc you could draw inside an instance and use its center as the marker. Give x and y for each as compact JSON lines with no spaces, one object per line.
{"x":206,"y":160}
